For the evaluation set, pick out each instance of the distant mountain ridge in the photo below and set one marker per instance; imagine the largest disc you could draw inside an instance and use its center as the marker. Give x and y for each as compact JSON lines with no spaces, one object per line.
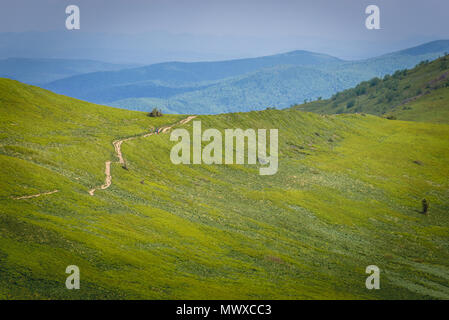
{"x":237,"y":85}
{"x":41,"y":71}
{"x":430,"y":47}
{"x":181,"y":73}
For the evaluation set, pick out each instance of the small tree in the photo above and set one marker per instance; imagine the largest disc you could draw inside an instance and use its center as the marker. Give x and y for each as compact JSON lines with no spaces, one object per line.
{"x":350,"y":104}
{"x":155,"y":113}
{"x":374,"y":81}
{"x":425,"y":206}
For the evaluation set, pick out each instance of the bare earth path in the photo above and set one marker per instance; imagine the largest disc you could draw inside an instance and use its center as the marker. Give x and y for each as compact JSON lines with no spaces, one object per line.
{"x":107,"y":171}
{"x":107,"y":181}
{"x":36,"y":195}
{"x":117,"y":147}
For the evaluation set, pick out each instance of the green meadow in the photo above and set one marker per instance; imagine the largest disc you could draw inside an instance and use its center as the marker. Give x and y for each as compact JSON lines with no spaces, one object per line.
{"x":347,"y":195}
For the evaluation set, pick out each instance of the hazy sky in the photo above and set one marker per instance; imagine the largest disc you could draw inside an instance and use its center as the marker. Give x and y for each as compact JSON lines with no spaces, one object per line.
{"x":336,"y":22}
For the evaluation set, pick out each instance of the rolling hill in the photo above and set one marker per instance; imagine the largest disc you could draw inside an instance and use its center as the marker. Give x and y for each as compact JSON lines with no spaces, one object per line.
{"x":410,"y":94}
{"x":269,"y":87}
{"x":343,"y":198}
{"x":177,"y":74}
{"x":42,"y":71}
{"x":237,"y":85}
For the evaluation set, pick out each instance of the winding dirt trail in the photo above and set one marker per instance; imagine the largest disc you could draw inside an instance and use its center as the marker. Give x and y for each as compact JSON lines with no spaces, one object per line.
{"x":107,"y":181}
{"x":184,"y":121}
{"x":107,"y":171}
{"x":118,"y":151}
{"x":35,"y":195}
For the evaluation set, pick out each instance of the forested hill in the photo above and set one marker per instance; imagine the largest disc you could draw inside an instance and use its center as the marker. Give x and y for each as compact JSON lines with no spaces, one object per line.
{"x":237,"y":85}
{"x":182,"y":73}
{"x":421,"y":93}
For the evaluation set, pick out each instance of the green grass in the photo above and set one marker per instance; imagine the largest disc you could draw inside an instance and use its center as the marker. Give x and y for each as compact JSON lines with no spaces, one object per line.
{"x":347,"y":195}
{"x":418,"y":94}
{"x":433,"y":107}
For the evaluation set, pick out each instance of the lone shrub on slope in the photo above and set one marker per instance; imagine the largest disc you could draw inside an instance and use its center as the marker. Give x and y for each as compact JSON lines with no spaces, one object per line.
{"x":155,"y":113}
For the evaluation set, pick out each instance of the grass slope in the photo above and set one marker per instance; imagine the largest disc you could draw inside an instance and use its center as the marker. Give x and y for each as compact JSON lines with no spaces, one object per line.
{"x":343,"y":198}
{"x":416,"y":94}
{"x":432,"y":107}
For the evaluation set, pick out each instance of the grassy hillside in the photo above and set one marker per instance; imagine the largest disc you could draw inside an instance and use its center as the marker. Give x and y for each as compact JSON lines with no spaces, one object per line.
{"x":433,"y":107}
{"x":237,"y":85}
{"x":343,"y":199}
{"x":416,"y":94}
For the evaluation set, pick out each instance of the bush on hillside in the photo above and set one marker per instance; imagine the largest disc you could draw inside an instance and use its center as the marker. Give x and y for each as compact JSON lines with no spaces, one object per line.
{"x":374,"y":81}
{"x":350,"y":104}
{"x":360,"y":89}
{"x":425,"y":206}
{"x":389,"y":96}
{"x":155,"y":113}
